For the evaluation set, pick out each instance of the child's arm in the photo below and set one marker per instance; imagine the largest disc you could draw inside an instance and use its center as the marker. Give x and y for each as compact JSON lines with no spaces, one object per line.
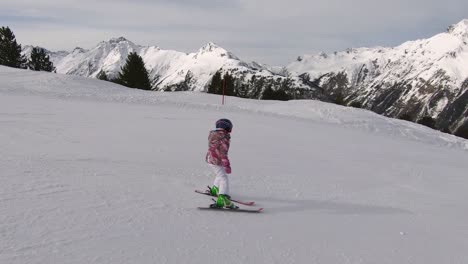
{"x":224,"y":149}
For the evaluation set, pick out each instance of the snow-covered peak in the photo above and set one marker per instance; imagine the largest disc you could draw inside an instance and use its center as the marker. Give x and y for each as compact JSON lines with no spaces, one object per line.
{"x":119,"y":39}
{"x":459,"y":29}
{"x":423,"y":57}
{"x":27,"y":50}
{"x":115,"y":42}
{"x":212,"y":48}
{"x":54,"y":56}
{"x":256,"y":65}
{"x":78,"y":50}
{"x":30,"y":47}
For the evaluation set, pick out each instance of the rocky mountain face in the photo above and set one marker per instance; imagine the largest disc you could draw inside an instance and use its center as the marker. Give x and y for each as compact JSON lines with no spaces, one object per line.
{"x":424,"y":81}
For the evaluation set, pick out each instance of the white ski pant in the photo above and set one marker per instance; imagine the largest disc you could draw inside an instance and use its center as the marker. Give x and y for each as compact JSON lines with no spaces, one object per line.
{"x":221,"y":181}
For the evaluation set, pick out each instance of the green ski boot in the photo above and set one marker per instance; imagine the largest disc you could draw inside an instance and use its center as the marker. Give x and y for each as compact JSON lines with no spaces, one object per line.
{"x":224,"y":201}
{"x":213,"y":190}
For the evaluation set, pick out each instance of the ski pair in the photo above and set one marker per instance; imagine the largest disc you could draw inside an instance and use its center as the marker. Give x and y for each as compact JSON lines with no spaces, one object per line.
{"x":214,"y":208}
{"x":239,"y":210}
{"x":232,"y":200}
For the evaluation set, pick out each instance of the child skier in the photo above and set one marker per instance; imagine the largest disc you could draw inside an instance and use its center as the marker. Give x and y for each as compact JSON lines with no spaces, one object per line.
{"x":217,"y":158}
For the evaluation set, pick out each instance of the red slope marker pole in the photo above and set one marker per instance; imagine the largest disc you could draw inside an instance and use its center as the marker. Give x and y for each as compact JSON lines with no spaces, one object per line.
{"x":224,"y":85}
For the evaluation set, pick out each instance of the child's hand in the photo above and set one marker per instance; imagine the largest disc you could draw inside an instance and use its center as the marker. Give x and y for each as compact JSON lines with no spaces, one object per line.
{"x":226,"y":163}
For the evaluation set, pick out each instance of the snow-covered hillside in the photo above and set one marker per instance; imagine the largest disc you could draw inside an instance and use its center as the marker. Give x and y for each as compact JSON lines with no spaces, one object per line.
{"x":93,"y":172}
{"x":422,"y":78}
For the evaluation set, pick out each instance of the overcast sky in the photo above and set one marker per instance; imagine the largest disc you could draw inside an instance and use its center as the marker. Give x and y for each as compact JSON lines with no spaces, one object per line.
{"x":267,"y":31}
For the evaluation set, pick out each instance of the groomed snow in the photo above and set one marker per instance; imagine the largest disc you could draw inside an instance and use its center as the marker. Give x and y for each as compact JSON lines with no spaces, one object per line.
{"x":92,"y":172}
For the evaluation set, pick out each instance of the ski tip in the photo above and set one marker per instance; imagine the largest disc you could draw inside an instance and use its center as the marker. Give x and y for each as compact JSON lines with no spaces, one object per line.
{"x":259,"y":210}
{"x":243,"y":203}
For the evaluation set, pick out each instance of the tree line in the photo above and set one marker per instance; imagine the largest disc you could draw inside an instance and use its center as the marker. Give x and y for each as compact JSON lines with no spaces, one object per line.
{"x":257,"y":87}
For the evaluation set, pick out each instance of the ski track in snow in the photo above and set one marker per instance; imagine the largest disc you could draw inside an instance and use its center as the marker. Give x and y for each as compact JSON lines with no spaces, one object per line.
{"x":95,"y":173}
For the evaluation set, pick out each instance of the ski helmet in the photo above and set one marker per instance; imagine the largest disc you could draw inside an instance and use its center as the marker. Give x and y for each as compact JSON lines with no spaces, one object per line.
{"x":224,"y":124}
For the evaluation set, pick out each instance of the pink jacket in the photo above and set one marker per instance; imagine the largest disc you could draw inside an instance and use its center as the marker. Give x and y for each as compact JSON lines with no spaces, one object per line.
{"x":218,"y":147}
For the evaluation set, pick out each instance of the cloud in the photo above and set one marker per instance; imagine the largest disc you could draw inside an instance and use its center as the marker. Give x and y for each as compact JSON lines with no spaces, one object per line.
{"x":268,"y":31}
{"x":193,"y":4}
{"x":16,"y":19}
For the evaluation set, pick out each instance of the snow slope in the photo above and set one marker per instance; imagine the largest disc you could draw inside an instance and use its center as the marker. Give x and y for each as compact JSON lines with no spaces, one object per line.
{"x":93,"y":172}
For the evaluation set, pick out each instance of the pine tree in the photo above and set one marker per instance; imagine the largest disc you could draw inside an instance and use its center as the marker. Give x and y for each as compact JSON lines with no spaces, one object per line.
{"x":102,"y":76}
{"x":243,"y":90}
{"x":40,"y":61}
{"x":270,"y":94}
{"x":462,"y":131}
{"x":134,"y":74}
{"x":339,"y":98}
{"x":427,"y":121}
{"x":229,"y":85}
{"x":215,"y":86}
{"x":267,"y":93}
{"x":10,"y":51}
{"x":257,"y":87}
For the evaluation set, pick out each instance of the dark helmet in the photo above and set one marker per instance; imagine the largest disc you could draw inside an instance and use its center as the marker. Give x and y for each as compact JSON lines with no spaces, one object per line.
{"x":224,"y":124}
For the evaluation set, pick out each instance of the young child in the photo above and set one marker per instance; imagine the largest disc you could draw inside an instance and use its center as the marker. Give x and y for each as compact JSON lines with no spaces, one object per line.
{"x":217,"y":158}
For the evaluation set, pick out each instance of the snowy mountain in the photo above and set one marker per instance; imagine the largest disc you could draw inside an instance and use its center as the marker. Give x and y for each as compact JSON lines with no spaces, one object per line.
{"x":93,"y":172}
{"x":54,"y":56}
{"x":168,"y":69}
{"x":422,"y":79}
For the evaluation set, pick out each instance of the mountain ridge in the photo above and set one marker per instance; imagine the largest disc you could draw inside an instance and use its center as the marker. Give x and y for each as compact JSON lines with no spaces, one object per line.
{"x":425,"y":79}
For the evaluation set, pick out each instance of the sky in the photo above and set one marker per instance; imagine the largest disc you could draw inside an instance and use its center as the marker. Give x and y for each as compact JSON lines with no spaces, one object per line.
{"x":274,"y":32}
